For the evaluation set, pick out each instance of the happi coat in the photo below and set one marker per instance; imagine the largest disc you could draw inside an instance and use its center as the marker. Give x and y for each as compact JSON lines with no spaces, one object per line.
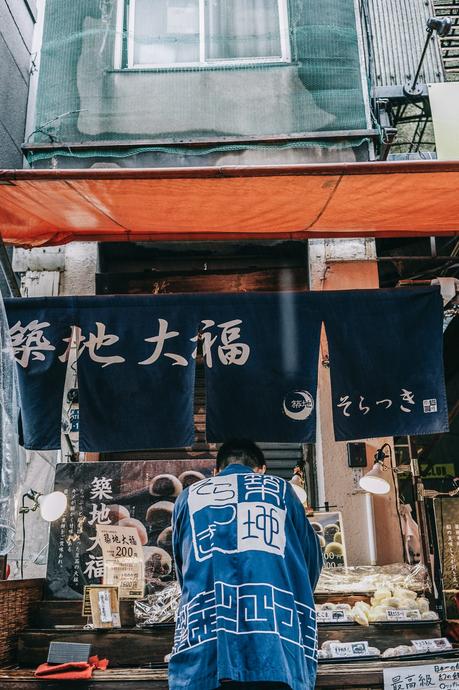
{"x":247,"y":560}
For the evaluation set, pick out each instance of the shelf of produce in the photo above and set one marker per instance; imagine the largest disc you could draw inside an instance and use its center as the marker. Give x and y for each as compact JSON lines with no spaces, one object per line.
{"x":358,"y":674}
{"x":150,"y":645}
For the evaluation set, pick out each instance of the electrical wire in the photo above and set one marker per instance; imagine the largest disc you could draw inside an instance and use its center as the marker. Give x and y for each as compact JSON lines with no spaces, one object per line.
{"x":23,"y":538}
{"x":397,"y":498}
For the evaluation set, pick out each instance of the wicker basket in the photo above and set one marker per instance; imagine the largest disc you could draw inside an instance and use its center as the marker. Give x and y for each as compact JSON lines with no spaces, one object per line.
{"x":16,"y":599}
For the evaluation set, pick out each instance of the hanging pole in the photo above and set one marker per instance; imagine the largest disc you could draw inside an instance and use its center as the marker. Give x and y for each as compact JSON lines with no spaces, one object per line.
{"x":442,"y":27}
{"x":8,"y":271}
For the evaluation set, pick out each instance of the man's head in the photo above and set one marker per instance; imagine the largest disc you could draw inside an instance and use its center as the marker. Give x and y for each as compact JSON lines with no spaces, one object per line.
{"x":242,"y":452}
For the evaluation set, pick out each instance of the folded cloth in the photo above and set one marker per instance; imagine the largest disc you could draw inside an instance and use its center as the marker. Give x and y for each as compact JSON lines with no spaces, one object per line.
{"x":74,"y":670}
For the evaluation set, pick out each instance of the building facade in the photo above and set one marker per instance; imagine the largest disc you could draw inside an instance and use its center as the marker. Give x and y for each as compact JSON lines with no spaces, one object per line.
{"x":175,"y":83}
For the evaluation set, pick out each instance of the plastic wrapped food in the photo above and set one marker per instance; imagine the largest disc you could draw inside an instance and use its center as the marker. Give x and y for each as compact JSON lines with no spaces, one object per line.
{"x":385,"y":605}
{"x":160,"y":607}
{"x":377,"y":579}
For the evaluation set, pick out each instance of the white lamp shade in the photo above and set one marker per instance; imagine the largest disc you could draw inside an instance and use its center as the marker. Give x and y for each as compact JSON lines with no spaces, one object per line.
{"x":374,"y":482}
{"x":52,"y":505}
{"x":300,"y":492}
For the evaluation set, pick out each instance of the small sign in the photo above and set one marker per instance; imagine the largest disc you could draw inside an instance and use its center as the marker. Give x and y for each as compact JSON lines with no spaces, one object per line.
{"x":86,"y":610}
{"x":123,"y":559}
{"x":447,"y":522}
{"x":403,"y":615}
{"x":439,"y":644}
{"x":432,"y":676}
{"x":344,"y":650}
{"x":333,"y":617}
{"x":329,"y":530}
{"x":105,"y":607}
{"x":101,"y":602}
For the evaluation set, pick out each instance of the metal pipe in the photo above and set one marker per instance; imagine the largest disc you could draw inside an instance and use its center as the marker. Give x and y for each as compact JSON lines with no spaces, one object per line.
{"x":10,"y":177}
{"x":417,"y":258}
{"x":411,"y":90}
{"x":203,"y":142}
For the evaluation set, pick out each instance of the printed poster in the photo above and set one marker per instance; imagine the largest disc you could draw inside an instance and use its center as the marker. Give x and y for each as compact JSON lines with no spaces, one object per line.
{"x":139,"y":495}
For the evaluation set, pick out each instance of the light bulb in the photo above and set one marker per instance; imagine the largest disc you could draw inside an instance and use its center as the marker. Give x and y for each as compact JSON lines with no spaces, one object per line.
{"x":300,"y":492}
{"x":52,"y":505}
{"x":374,"y":482}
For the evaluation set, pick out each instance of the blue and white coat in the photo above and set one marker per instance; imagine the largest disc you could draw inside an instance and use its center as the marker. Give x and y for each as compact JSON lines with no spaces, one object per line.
{"x":247,"y":560}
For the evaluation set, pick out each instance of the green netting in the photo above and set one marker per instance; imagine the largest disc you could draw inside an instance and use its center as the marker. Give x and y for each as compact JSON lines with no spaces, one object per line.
{"x":175,"y":70}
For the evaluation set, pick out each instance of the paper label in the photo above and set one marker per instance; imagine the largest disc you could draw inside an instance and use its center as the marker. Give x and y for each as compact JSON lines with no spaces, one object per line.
{"x":432,"y":676}
{"x":340,"y":650}
{"x":403,"y":615}
{"x":104,"y":606}
{"x":439,"y":644}
{"x":123,"y":559}
{"x":333,"y":617}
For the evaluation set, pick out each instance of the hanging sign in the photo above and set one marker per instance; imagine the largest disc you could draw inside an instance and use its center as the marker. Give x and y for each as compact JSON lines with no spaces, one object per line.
{"x":135,"y":366}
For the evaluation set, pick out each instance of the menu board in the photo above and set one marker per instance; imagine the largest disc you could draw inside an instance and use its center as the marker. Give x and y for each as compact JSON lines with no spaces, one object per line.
{"x":139,"y":495}
{"x":447,"y":522}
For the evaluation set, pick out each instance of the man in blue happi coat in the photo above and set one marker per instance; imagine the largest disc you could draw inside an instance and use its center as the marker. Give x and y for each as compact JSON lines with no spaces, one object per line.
{"x":247,"y":560}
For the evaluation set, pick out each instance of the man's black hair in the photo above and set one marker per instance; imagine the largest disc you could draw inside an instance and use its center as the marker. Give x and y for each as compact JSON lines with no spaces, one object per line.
{"x":241,"y":451}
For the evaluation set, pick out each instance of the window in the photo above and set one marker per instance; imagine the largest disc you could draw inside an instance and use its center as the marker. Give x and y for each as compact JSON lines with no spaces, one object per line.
{"x":164,"y":33}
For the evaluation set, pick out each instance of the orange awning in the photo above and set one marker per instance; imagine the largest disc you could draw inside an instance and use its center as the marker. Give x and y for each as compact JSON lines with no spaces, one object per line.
{"x":46,"y":207}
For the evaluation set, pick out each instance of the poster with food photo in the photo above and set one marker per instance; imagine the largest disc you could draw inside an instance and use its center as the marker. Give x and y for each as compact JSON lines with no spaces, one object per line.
{"x":329,"y":530}
{"x":129,"y":494}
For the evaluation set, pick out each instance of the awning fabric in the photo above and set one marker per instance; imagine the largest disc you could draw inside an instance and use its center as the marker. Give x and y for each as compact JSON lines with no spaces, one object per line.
{"x":48,"y":207}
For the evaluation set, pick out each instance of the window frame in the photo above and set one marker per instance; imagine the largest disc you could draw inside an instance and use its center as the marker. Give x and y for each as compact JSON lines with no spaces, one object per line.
{"x":124,"y":54}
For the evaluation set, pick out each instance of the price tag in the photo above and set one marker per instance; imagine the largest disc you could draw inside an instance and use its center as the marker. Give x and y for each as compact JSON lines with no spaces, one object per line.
{"x":333,"y":617}
{"x":123,"y":559}
{"x":403,"y":615}
{"x":104,"y":606}
{"x":344,"y":650}
{"x":439,"y":644}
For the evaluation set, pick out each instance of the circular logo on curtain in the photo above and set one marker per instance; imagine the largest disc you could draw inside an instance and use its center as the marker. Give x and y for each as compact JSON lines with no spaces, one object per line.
{"x":298,"y":405}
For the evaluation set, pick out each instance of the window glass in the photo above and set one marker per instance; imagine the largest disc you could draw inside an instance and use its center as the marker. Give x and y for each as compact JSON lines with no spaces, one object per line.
{"x":242,"y":29}
{"x":166,"y":32}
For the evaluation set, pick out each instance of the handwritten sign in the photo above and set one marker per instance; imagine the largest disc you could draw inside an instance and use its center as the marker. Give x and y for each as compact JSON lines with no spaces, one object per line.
{"x":439,"y":644}
{"x":403,"y":615}
{"x":344,"y":650}
{"x":447,"y":521}
{"x":123,"y":559}
{"x":432,"y":676}
{"x":333,"y":617}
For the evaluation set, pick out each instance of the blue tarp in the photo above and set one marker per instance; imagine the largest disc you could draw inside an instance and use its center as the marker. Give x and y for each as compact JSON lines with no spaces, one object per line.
{"x":136,"y":365}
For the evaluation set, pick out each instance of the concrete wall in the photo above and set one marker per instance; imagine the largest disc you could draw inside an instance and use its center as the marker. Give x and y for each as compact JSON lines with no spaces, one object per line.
{"x":89,"y":94}
{"x":71,"y":274}
{"x":345,"y":265}
{"x":17,"y":19}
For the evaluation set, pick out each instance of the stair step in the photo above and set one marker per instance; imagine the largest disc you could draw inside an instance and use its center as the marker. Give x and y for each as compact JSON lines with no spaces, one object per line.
{"x":122,"y":647}
{"x":46,"y":614}
{"x":140,"y":647}
{"x":111,"y":679}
